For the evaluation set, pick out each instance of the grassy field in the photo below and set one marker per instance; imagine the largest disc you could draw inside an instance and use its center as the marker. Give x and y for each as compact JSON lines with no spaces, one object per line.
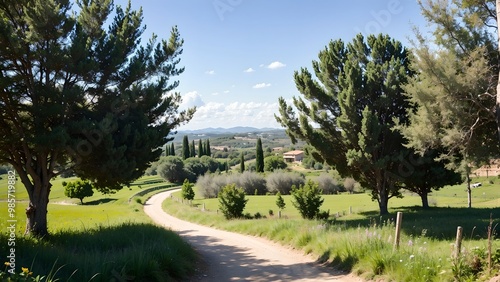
{"x":363,"y":241}
{"x":107,"y":238}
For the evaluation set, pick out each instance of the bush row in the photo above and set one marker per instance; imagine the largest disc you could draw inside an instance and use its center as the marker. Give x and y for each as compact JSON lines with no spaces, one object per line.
{"x":254,"y":183}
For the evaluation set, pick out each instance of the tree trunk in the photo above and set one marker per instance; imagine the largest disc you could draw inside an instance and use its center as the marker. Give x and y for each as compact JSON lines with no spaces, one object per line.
{"x":36,"y":213}
{"x":498,"y":82}
{"x":469,"y":191}
{"x":425,"y":200}
{"x":383,"y":201}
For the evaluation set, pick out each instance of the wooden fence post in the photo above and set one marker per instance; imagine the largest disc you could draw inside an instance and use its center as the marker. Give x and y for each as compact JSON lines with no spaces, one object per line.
{"x":399,"y":219}
{"x":458,"y":242}
{"x":350,"y":209}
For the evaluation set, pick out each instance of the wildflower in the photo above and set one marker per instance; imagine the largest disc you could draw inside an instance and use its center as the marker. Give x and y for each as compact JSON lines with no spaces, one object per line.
{"x":400,"y":260}
{"x":25,"y":269}
{"x":410,"y":243}
{"x":7,"y":263}
{"x":412,"y":257}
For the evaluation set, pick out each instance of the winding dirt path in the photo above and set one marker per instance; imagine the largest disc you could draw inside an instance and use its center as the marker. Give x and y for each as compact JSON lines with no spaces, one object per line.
{"x":228,"y":256}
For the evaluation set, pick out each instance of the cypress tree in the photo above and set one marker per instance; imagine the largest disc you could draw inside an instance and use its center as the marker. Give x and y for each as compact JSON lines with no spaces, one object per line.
{"x":259,"y":163}
{"x":185,"y":148}
{"x":208,"y":152}
{"x":172,"y":149}
{"x":192,"y":150}
{"x":242,"y":163}
{"x":201,"y":152}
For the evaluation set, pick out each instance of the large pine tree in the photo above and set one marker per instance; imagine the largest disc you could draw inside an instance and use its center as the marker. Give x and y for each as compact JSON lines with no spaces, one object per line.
{"x":77,"y":96}
{"x":347,"y":113}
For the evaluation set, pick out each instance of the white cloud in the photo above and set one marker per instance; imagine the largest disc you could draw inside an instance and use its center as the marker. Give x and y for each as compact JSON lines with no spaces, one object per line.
{"x":276,"y":65}
{"x":191,"y":99}
{"x":211,"y":72}
{"x":226,"y":91}
{"x":261,"y":85}
{"x":249,"y":70}
{"x":215,"y":93}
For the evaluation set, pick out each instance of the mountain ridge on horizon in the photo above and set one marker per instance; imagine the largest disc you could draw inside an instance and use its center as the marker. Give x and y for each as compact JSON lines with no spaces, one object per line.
{"x":234,"y":129}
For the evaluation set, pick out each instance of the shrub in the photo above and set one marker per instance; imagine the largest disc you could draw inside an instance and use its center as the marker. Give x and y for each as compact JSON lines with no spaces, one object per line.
{"x":349,"y":185}
{"x":307,"y":199}
{"x":280,"y":202}
{"x":172,"y":169}
{"x":195,"y":166}
{"x":209,"y":185}
{"x":249,"y":182}
{"x":327,"y":184}
{"x":187,"y":191}
{"x":78,"y":189}
{"x":232,"y":201}
{"x":273,"y":163}
{"x":281,"y":181}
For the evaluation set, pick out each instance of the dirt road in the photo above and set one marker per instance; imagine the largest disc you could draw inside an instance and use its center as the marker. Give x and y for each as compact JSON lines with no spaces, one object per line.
{"x":234,"y":257}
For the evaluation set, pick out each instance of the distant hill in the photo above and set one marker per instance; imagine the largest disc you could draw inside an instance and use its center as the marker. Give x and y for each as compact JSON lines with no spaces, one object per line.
{"x":220,"y":130}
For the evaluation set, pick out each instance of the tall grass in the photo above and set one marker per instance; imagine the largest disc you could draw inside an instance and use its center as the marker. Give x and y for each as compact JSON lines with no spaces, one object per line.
{"x":129,"y":251}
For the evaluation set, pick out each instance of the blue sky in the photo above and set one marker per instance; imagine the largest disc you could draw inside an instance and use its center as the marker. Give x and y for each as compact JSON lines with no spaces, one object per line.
{"x":240,"y":55}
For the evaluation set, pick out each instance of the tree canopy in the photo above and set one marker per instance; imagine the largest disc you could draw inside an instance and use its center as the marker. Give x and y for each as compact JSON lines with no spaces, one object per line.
{"x":454,"y":91}
{"x":78,"y":96}
{"x":346,"y":112}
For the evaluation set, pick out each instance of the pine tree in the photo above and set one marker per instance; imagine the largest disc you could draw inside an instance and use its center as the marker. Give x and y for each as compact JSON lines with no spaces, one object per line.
{"x":454,"y":90}
{"x":347,"y":111}
{"x":259,"y":162}
{"x":185,"y":148}
{"x":81,"y":94}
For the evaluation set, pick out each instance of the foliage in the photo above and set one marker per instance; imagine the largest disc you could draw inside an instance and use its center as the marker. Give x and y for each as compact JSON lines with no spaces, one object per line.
{"x":83,"y":96}
{"x":242,"y":163}
{"x":209,"y":185}
{"x":201,"y":151}
{"x":249,"y":182}
{"x":259,"y":156}
{"x":272,"y":163}
{"x":327,"y":183}
{"x":351,"y":106}
{"x":187,"y":191}
{"x":185,"y":148}
{"x":307,"y":199}
{"x":281,"y":181}
{"x":89,"y":253}
{"x":349,"y":184}
{"x":232,"y":201}
{"x":211,"y":164}
{"x":172,"y":169}
{"x":78,"y":189}
{"x":454,"y":91}
{"x":280,"y":203}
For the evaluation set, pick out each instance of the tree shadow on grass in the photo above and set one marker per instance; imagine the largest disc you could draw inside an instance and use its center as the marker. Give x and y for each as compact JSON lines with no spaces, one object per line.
{"x":98,"y":202}
{"x":436,"y":222}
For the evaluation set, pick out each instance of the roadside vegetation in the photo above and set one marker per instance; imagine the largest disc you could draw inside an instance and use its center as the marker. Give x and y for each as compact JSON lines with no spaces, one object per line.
{"x":107,"y":238}
{"x":362,"y":242}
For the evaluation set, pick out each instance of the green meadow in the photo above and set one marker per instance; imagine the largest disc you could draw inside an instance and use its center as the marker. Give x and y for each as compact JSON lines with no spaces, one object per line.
{"x":107,"y":238}
{"x":363,"y":241}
